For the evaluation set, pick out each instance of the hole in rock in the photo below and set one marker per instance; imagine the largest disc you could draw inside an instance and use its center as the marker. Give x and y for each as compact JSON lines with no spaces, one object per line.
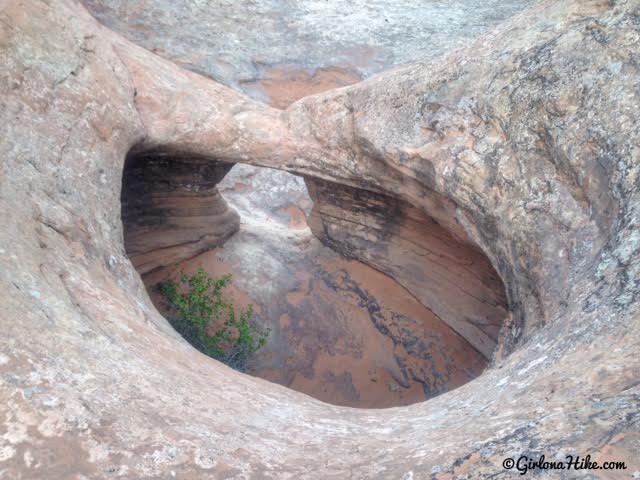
{"x":419,"y":318}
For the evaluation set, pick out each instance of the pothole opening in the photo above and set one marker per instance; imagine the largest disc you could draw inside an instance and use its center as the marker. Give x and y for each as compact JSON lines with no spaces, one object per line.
{"x":366,"y":335}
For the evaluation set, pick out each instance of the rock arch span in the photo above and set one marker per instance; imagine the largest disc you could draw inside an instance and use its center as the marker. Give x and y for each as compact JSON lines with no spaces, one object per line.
{"x":173,"y":211}
{"x":524,"y":142}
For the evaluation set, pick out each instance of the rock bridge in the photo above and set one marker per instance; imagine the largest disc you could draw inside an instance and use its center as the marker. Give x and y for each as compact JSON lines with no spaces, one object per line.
{"x":499,"y":184}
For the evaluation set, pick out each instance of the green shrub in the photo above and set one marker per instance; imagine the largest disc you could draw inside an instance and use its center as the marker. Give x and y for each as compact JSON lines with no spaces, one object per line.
{"x":202,"y":316}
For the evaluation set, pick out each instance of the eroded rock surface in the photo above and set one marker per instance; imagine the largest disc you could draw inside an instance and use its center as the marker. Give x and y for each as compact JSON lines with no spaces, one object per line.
{"x":300,"y":45}
{"x":172,"y":210}
{"x":529,"y":135}
{"x":473,"y":304}
{"x":341,"y":331}
{"x":445,"y":273}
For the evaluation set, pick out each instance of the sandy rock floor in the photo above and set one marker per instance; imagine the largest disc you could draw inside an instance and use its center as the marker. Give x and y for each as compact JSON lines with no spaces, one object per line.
{"x":341,"y":331}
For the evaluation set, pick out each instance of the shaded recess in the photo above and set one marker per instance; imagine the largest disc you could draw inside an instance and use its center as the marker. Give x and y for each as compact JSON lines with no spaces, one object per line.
{"x":171,"y":208}
{"x":446,"y":273}
{"x":372,"y":304}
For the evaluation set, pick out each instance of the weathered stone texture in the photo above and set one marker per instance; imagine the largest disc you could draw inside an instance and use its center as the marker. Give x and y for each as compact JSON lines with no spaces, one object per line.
{"x":251,"y":45}
{"x":171,"y":208}
{"x":449,"y":276}
{"x":531,"y":134}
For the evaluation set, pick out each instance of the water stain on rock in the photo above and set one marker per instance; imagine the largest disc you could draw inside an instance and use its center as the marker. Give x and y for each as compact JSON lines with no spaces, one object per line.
{"x":282,"y":85}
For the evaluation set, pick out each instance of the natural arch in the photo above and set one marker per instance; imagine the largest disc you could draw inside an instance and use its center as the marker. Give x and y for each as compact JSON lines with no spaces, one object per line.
{"x":524,"y":141}
{"x":347,"y":337}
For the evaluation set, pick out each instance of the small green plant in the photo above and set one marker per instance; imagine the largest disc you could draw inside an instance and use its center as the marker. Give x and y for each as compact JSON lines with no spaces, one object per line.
{"x":202,"y":316}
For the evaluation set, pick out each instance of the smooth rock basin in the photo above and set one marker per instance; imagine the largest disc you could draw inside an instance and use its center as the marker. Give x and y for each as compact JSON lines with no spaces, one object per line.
{"x":523,"y":142}
{"x":341,"y":331}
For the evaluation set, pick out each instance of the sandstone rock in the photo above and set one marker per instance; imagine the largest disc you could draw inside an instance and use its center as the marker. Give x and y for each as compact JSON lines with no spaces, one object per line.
{"x":336,"y":325}
{"x":248,"y":45}
{"x":283,"y":84}
{"x":529,"y":137}
{"x":450,"y":277}
{"x":171,"y":209}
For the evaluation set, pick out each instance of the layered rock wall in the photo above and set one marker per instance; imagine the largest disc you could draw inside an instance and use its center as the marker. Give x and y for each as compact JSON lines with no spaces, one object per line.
{"x":171,"y":208}
{"x":449,"y":276}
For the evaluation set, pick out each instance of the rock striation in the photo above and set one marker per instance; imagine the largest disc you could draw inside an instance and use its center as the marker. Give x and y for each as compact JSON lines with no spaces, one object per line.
{"x":171,"y":208}
{"x":341,"y":331}
{"x":524,"y":142}
{"x":445,"y":273}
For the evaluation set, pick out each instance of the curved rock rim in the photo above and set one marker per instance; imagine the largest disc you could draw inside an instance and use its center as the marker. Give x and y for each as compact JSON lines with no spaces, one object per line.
{"x":85,"y":358}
